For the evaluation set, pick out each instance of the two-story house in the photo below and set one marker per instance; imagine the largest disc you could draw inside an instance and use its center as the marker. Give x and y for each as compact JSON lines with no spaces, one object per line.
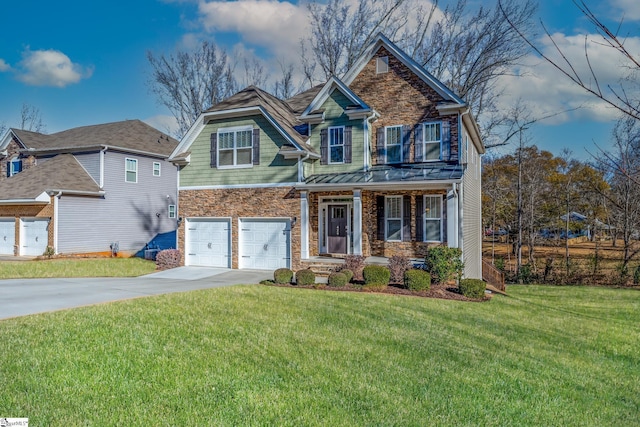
{"x":385,"y":161}
{"x":93,"y":189}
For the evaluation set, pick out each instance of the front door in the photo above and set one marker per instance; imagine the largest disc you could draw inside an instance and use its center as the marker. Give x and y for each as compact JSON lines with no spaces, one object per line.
{"x":337,"y":229}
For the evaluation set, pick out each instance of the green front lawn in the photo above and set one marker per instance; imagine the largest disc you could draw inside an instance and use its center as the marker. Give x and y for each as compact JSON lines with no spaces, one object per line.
{"x":259,"y":355}
{"x":80,"y":267}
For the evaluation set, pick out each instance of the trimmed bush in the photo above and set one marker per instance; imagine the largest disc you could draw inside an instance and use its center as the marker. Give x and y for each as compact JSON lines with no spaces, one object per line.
{"x":398,"y":264}
{"x":282,"y":276}
{"x":444,"y":263}
{"x":355,"y":263}
{"x":376,"y":274}
{"x":347,"y":273}
{"x":305,"y":277}
{"x":168,"y":258}
{"x":417,"y":280}
{"x":472,"y":288}
{"x":337,"y":280}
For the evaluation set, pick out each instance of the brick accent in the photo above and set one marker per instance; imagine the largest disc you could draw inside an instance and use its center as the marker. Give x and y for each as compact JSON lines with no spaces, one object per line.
{"x":30,"y":211}
{"x":401,"y":98}
{"x":242,"y":203}
{"x":13,"y":149}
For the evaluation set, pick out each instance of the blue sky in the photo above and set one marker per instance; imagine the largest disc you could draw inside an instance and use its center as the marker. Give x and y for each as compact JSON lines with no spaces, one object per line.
{"x":83,"y":63}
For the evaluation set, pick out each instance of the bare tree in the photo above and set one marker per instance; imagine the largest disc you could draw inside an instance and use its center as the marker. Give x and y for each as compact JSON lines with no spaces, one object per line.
{"x":31,"y":119}
{"x":617,"y":97}
{"x":284,"y":87}
{"x":189,"y":82}
{"x":254,"y":73}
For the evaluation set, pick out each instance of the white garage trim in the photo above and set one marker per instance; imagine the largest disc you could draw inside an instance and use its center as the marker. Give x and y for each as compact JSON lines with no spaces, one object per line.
{"x":264,"y":243}
{"x":207,"y":242}
{"x":34,"y":236}
{"x":7,"y":236}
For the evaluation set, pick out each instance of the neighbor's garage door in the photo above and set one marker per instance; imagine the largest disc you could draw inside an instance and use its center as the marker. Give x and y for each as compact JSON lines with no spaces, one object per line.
{"x":34,"y":236}
{"x":208,"y":242}
{"x":7,"y":236}
{"x":265,"y":243}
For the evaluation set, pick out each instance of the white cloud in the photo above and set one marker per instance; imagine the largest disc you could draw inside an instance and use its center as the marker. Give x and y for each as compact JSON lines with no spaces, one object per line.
{"x":4,"y":66}
{"x":275,"y":25}
{"x":548,"y":91}
{"x":630,"y":9}
{"x":164,"y":123}
{"x":50,"y":68}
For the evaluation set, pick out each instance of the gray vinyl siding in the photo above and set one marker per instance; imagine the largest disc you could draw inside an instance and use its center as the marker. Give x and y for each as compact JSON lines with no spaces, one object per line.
{"x":91,"y":163}
{"x":472,"y":216}
{"x":126,"y":214}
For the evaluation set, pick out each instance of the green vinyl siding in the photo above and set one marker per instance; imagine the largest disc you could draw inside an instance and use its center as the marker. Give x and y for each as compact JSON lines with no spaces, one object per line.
{"x":334,"y":114}
{"x":273,"y":168}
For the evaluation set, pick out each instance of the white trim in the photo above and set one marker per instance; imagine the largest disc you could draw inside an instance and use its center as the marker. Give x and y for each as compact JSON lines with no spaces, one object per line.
{"x":326,"y":91}
{"x":433,"y":142}
{"x":386,"y":143}
{"x":153,"y":169}
{"x":41,"y":199}
{"x":102,"y":167}
{"x":323,"y":217}
{"x":126,"y":159}
{"x":234,"y":186}
{"x":234,"y":131}
{"x":357,"y":222}
{"x":56,"y":201}
{"x":386,"y":218}
{"x":228,"y":220}
{"x":304,"y":225}
{"x":175,"y":211}
{"x":329,"y":129}
{"x":425,"y":219}
{"x":285,"y":219}
{"x":383,"y":186}
{"x":382,"y":65}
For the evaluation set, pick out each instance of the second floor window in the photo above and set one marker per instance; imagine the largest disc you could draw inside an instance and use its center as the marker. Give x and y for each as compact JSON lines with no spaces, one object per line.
{"x":336,"y":145}
{"x":156,"y":169}
{"x":130,"y":170}
{"x":235,"y":147}
{"x":14,"y":166}
{"x":393,"y":143}
{"x":431,"y":139}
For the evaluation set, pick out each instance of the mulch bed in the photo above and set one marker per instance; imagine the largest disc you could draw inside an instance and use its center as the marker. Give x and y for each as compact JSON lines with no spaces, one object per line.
{"x":436,"y":291}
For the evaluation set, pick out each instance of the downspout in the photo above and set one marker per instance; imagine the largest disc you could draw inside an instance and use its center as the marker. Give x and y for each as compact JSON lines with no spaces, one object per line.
{"x":460,"y":136}
{"x":367,"y":142}
{"x":56,"y":197}
{"x":102,"y":167}
{"x":461,"y":221}
{"x":301,"y":161}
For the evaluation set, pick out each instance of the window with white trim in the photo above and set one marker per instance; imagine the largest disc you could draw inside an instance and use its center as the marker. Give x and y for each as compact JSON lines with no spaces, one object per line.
{"x":235,"y":147}
{"x":382,"y":64}
{"x":393,"y":144}
{"x":431,"y":141}
{"x":433,"y":218}
{"x":336,"y":145}
{"x":156,"y":169}
{"x":393,"y":218}
{"x":14,"y":166}
{"x":130,"y":170}
{"x":172,"y":211}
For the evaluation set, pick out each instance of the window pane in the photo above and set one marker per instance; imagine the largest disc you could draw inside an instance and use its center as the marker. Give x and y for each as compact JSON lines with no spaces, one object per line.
{"x":244,"y":156}
{"x":431,"y":151}
{"x":394,"y":205}
{"x":394,"y":154}
{"x":225,"y":140}
{"x":432,"y":207}
{"x":432,"y":132}
{"x":225,"y":158}
{"x":394,"y":135}
{"x":394,"y":229}
{"x":336,"y":136}
{"x":337,"y":153}
{"x":432,"y":230}
{"x":131,"y":176}
{"x":243,"y":139}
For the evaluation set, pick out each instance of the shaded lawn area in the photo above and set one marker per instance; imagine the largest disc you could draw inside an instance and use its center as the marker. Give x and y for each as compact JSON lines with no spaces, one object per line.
{"x":80,"y":267}
{"x":260,"y":355}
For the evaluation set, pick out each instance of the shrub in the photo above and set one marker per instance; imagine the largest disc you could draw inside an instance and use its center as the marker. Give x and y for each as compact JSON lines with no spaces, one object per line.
{"x":398,"y":264}
{"x":444,"y":263}
{"x":305,"y":277}
{"x":499,"y":264}
{"x":526,"y":275}
{"x":376,"y":274}
{"x":282,"y":276}
{"x":49,"y":252}
{"x":417,"y":280}
{"x":168,"y":258}
{"x":472,"y":288}
{"x":337,"y":280}
{"x":347,"y":273}
{"x":355,"y":263}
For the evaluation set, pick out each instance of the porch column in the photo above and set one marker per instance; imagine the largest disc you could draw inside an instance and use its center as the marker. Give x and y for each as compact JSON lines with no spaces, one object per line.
{"x":452,"y":218}
{"x":357,"y":222}
{"x":304,"y":225}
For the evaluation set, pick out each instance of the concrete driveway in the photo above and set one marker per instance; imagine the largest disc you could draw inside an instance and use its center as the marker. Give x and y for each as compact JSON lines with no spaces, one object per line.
{"x":21,"y":297}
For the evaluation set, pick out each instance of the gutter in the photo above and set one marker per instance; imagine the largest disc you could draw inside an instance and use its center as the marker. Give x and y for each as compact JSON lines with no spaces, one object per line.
{"x":65,"y":150}
{"x":380,"y":185}
{"x":99,"y":193}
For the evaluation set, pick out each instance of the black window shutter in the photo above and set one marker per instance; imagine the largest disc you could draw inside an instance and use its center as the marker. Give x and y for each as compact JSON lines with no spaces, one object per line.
{"x":420,"y":218}
{"x":417,"y":147}
{"x":406,"y":218}
{"x":406,"y":143}
{"x":444,"y":218}
{"x":380,"y":146}
{"x":214,"y":150}
{"x":19,"y":168}
{"x":324,"y":147}
{"x":380,"y":214}
{"x":8,"y":169}
{"x":347,"y":144}
{"x":446,"y":141}
{"x":256,"y":146}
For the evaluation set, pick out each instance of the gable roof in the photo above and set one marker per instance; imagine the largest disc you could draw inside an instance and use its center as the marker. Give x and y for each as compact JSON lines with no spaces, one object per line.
{"x":128,"y":135}
{"x":60,"y":173}
{"x":251,"y":100}
{"x":334,"y":84}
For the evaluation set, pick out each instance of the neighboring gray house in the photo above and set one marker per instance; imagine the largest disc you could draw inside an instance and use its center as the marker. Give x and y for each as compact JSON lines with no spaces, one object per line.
{"x":92,"y":189}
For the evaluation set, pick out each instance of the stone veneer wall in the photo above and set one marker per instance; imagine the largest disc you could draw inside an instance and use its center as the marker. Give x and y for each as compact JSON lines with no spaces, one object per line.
{"x":13,"y":149}
{"x":371,"y":246}
{"x":281,"y":202}
{"x":401,"y":98}
{"x":30,"y":211}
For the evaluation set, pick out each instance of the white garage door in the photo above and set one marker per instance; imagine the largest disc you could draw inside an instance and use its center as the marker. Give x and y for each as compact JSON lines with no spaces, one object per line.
{"x":208,"y":242}
{"x":265,"y":244}
{"x":7,"y":236}
{"x":34,"y":236}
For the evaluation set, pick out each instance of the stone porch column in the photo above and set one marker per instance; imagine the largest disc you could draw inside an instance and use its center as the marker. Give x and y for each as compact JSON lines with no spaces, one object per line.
{"x":357,"y":222}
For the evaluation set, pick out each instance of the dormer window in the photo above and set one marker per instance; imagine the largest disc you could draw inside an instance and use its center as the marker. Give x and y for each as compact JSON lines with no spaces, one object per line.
{"x":14,"y":166}
{"x":382,"y":64}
